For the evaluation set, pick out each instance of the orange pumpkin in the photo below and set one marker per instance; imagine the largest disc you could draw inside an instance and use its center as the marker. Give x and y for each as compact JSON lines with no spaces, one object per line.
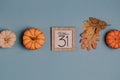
{"x":113,"y":39}
{"x":33,"y":39}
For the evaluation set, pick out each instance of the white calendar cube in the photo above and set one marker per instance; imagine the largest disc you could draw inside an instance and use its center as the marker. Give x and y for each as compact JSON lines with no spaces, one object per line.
{"x":63,"y":38}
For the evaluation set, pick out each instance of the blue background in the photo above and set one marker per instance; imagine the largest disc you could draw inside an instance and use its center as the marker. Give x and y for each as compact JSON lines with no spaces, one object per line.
{"x":19,"y":63}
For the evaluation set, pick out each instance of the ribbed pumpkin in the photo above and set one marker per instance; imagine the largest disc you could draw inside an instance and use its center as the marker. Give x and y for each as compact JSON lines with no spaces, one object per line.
{"x":7,"y":39}
{"x":113,"y":39}
{"x":33,"y":38}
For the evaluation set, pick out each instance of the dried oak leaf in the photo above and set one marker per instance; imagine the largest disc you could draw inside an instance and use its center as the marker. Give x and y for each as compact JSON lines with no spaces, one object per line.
{"x":94,"y":22}
{"x":89,"y":39}
{"x":91,"y":34}
{"x":99,"y":24}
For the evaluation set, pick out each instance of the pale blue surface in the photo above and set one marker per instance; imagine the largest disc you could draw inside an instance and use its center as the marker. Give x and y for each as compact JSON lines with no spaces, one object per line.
{"x":19,"y":63}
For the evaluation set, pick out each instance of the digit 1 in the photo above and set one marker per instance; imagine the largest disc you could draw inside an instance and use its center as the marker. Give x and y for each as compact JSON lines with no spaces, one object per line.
{"x":67,"y":40}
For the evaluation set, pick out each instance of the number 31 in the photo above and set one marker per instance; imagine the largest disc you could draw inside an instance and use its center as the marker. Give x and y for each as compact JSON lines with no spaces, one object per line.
{"x":64,"y":40}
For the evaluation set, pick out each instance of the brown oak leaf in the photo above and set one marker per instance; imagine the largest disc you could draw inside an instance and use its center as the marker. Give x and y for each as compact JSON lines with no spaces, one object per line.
{"x":91,"y":34}
{"x":89,"y":39}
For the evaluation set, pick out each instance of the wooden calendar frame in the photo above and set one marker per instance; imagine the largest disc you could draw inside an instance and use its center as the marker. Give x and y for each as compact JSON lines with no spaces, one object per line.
{"x":65,"y":29}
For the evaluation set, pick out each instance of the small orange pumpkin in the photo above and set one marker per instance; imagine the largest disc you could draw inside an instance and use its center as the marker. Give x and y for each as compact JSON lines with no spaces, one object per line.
{"x":33,"y":39}
{"x":113,"y":39}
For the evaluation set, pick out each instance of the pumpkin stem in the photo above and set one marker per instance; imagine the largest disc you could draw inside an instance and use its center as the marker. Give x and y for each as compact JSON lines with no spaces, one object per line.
{"x":6,"y":39}
{"x":33,"y":38}
{"x":115,"y":39}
